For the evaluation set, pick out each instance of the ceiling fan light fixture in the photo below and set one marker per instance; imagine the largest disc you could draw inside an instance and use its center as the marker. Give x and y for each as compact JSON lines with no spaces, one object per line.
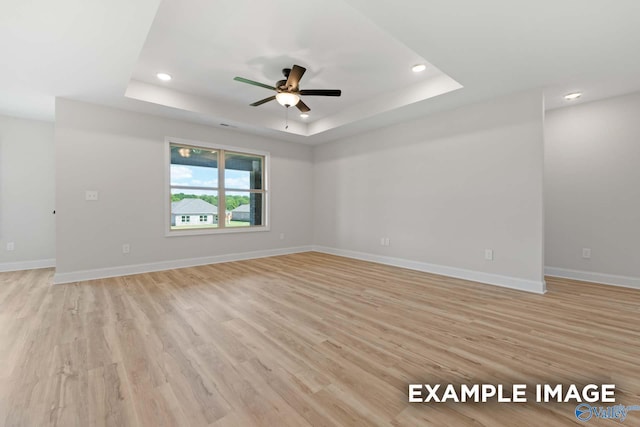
{"x":304,"y":115}
{"x":287,"y":99}
{"x":164,"y":77}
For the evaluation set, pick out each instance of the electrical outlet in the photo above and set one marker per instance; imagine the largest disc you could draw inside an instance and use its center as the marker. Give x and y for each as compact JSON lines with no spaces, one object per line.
{"x":488,"y":254}
{"x":382,"y":241}
{"x":126,"y":248}
{"x":586,"y":253}
{"x":11,"y":246}
{"x":386,"y":241}
{"x":91,"y":195}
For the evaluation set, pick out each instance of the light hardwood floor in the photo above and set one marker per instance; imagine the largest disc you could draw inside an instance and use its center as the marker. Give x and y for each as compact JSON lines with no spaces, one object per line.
{"x":305,"y":339}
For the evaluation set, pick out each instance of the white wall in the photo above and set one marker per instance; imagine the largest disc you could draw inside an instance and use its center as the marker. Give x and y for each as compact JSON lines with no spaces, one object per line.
{"x":26,"y":194}
{"x":121,"y":155}
{"x":443,"y":189}
{"x":592,"y":190}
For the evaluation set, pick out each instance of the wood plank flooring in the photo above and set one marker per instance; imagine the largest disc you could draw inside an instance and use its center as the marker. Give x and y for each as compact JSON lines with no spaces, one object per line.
{"x":299,"y":340}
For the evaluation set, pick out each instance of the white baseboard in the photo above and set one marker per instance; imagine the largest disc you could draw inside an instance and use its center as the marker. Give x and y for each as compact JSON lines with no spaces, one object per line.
{"x":476,"y":276}
{"x":125,"y":270}
{"x":538,"y":287}
{"x":27,"y":265}
{"x":589,"y":276}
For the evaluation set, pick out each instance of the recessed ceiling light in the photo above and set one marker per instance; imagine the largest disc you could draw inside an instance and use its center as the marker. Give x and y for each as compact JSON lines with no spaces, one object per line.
{"x":572,"y":96}
{"x":418,"y":67}
{"x":304,"y":115}
{"x":163,"y":76}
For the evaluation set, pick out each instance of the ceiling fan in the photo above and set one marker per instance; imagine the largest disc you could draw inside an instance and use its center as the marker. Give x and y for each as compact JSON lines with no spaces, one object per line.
{"x":288,"y":92}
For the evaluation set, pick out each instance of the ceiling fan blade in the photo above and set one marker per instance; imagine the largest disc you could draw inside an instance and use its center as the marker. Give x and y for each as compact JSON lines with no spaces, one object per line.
{"x":303,"y":107}
{"x":262,"y":101}
{"x":321,"y":92}
{"x":251,"y":82}
{"x":294,"y":76}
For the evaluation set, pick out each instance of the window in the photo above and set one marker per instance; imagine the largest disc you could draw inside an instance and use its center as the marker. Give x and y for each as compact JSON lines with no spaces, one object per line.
{"x":215,"y":188}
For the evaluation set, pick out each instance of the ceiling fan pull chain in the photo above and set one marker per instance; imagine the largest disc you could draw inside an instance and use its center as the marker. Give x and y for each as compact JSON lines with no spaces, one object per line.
{"x":286,"y":118}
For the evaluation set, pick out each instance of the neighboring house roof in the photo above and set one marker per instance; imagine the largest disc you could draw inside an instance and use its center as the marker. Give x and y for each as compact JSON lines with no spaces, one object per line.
{"x":193,"y":207}
{"x":242,"y":208}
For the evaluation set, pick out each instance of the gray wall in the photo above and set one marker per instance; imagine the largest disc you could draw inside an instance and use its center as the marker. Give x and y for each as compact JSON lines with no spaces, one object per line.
{"x":26,"y":193}
{"x":592,"y":189}
{"x":470,"y":179}
{"x":121,"y":155}
{"x":443,"y":189}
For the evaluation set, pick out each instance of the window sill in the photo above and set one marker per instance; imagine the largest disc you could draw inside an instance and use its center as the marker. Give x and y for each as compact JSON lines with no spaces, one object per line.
{"x":205,"y":231}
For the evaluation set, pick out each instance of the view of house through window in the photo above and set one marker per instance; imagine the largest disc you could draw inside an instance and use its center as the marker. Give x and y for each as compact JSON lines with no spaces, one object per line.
{"x":214,"y":188}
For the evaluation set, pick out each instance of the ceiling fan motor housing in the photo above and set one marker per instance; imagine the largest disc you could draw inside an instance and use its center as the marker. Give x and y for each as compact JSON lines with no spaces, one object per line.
{"x":281,"y":85}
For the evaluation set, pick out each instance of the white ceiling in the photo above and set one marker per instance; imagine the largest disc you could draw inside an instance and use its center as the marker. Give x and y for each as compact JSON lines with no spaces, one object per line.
{"x":205,"y":44}
{"x":98,"y":51}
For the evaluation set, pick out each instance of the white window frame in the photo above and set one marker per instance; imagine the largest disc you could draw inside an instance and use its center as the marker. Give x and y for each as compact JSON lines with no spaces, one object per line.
{"x":221,"y":189}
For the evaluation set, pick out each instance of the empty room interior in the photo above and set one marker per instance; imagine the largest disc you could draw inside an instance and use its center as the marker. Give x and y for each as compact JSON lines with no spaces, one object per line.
{"x":337,"y":213}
